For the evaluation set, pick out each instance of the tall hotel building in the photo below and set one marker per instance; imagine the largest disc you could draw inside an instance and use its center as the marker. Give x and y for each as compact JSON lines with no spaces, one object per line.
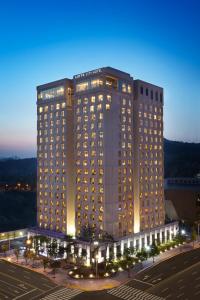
{"x":100,"y":154}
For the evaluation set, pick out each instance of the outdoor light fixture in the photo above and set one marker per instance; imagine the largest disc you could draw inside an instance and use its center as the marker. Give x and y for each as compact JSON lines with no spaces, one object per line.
{"x":148,"y":248}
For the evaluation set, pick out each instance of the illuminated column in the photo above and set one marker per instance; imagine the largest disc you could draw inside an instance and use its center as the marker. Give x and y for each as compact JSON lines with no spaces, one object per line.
{"x":160,"y":235}
{"x":145,"y":240}
{"x":122,"y":247}
{"x":140,"y":243}
{"x":165,"y":234}
{"x":99,"y":255}
{"x":88,"y":255}
{"x":115,"y":251}
{"x":80,"y":251}
{"x":107,"y":252}
{"x":171,"y":232}
{"x":150,"y":238}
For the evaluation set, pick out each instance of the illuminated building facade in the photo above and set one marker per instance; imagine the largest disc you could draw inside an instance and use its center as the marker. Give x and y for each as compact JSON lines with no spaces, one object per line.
{"x":103,"y":121}
{"x":55,"y":157}
{"x":149,"y":211}
{"x":100,"y":155}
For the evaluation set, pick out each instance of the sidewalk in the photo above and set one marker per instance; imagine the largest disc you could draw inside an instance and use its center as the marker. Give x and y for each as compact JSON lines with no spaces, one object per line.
{"x":62,"y":277}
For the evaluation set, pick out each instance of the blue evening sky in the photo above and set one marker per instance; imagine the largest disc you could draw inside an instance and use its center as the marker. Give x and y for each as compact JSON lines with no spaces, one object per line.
{"x":42,"y":41}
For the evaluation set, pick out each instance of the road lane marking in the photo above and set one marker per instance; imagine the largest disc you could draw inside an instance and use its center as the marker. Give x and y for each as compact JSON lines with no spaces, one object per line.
{"x":163,"y":291}
{"x":12,"y":285}
{"x":22,"y":282}
{"x":8,"y":292}
{"x":127,"y":293}
{"x":64,"y":293}
{"x":180,"y":295}
{"x":181,"y":287}
{"x":5,"y":296}
{"x":143,"y":282}
{"x":197,"y":278}
{"x":195,"y":272}
{"x":49,"y":286}
{"x":197,"y":293}
{"x":24,"y":294}
{"x":12,"y":271}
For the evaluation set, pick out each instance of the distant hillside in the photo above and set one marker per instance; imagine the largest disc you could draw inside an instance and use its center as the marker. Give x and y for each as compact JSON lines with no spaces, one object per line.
{"x":18,"y":170}
{"x":181,"y":159}
{"x":17,"y":210}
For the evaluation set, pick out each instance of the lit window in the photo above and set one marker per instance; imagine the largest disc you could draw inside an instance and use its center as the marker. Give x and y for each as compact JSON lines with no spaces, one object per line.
{"x":82,"y":86}
{"x":93,"y":99}
{"x":92,"y":108}
{"x":51,"y":93}
{"x":107,"y":106}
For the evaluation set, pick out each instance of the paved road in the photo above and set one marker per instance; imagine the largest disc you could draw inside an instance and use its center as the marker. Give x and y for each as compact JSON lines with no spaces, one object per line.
{"x":19,"y":283}
{"x":169,"y":267}
{"x":176,"y":278}
{"x":183,"y":286}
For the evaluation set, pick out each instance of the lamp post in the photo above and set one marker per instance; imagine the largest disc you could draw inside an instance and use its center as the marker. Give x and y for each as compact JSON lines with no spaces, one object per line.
{"x":97,"y":257}
{"x":28,"y":243}
{"x":96,"y":243}
{"x":148,"y":249}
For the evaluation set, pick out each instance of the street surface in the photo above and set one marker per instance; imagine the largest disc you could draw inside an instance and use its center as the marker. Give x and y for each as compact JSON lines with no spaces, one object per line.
{"x":19,"y":283}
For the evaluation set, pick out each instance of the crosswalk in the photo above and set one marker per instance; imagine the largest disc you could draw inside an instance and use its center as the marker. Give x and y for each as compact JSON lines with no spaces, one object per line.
{"x":62,"y":294}
{"x":129,"y":293}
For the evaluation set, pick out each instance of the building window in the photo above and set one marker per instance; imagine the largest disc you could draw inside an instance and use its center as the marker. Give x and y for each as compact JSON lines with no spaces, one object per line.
{"x":51,"y":93}
{"x":141,"y":90}
{"x":82,"y":86}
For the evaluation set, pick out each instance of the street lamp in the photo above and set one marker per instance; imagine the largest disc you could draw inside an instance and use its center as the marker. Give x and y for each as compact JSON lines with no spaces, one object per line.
{"x":96,"y":243}
{"x":28,"y":243}
{"x":148,"y":248}
{"x":97,"y":257}
{"x":183,"y":231}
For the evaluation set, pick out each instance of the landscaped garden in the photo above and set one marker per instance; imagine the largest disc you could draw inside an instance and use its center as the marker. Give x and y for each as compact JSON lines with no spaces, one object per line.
{"x":41,"y":251}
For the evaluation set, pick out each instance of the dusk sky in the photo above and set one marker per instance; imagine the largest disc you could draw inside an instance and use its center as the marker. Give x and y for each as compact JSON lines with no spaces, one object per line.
{"x":42,"y":41}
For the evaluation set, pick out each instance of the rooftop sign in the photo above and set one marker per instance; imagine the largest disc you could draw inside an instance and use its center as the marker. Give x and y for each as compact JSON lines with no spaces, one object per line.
{"x":83,"y":75}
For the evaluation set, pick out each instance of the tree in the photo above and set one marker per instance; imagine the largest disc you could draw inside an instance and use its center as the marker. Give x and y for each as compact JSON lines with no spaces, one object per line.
{"x":127,"y":253}
{"x":52,"y":249}
{"x":16,"y":252}
{"x":5,"y":248}
{"x":193,"y":235}
{"x":142,"y":254}
{"x":55,"y":264}
{"x":26,"y":255}
{"x":61,"y":251}
{"x":45,"y":262}
{"x":107,"y":239}
{"x":88,"y":233}
{"x":154,"y":250}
